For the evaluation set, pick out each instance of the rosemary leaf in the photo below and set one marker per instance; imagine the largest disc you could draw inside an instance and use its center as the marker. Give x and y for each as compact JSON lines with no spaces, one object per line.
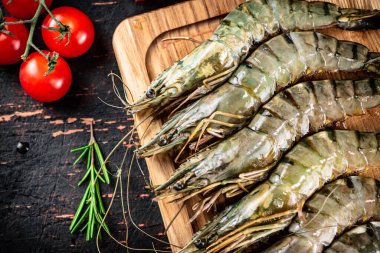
{"x":84,"y":177}
{"x":105,"y":227}
{"x":101,"y":179}
{"x":80,"y":207}
{"x":80,"y":157}
{"x":79,"y":149}
{"x":90,"y":222}
{"x":74,"y":228}
{"x":100,"y":202}
{"x":84,"y":227}
{"x":89,"y":157}
{"x":101,"y":161}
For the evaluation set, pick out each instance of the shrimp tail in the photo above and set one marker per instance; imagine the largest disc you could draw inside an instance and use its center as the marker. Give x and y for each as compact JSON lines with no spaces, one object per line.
{"x":359,"y":19}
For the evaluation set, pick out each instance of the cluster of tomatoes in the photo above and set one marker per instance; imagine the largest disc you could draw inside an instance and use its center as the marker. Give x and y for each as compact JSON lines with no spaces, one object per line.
{"x":38,"y":78}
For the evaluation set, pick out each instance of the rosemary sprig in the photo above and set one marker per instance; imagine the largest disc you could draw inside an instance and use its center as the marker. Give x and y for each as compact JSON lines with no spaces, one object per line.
{"x":91,"y":205}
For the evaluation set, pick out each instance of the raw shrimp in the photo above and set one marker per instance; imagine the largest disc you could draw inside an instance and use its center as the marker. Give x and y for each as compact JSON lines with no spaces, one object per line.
{"x":273,"y":66}
{"x":247,"y":156}
{"x":335,"y":208}
{"x":362,"y":239}
{"x":270,"y":207}
{"x":248,"y":25}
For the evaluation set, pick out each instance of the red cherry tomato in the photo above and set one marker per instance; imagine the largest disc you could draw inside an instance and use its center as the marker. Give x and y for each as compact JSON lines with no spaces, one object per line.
{"x":80,"y":26}
{"x":23,"y":9}
{"x":12,"y":46}
{"x":42,"y":87}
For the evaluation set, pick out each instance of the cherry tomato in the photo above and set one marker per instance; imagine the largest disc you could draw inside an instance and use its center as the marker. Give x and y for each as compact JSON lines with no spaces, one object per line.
{"x":23,"y":9}
{"x":42,"y":87}
{"x":80,"y":26}
{"x":12,"y":46}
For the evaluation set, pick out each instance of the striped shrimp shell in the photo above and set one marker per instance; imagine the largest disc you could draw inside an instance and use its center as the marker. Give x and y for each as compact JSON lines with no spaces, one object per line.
{"x":335,"y":208}
{"x":250,"y":24}
{"x":275,"y":65}
{"x":269,"y":207}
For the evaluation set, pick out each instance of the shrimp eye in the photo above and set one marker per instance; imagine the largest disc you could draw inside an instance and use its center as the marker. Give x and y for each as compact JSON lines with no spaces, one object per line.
{"x":200,"y":243}
{"x":179,"y":186}
{"x":162,"y":141}
{"x":294,"y":227}
{"x":150,"y":93}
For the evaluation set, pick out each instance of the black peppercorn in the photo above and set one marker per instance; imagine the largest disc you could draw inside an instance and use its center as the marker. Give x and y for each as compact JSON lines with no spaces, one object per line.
{"x":22,"y":147}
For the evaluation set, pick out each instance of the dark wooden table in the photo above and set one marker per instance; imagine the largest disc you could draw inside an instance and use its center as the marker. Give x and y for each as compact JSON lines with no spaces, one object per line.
{"x":38,"y":192}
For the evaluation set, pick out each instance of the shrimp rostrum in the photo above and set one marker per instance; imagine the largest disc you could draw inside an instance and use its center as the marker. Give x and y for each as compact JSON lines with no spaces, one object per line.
{"x":332,"y":210}
{"x":275,"y":65}
{"x":361,"y":239}
{"x":253,"y":22}
{"x":246,"y":157}
{"x":270,"y":207}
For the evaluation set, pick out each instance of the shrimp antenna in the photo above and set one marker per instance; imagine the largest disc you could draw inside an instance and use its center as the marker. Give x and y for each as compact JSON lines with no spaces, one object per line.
{"x":147,"y":182}
{"x":125,"y":88}
{"x":108,"y":104}
{"x":119,"y":184}
{"x":323,"y":205}
{"x":129,"y":209}
{"x":175,"y":217}
{"x":134,"y":157}
{"x":125,"y":101}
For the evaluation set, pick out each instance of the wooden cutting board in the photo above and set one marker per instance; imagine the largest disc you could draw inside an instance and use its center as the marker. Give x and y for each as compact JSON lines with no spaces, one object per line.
{"x":142,"y":54}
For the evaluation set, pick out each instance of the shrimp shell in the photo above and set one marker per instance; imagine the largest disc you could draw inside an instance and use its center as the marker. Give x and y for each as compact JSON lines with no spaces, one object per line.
{"x":250,"y":24}
{"x":362,"y":239}
{"x":335,"y":208}
{"x":313,"y":162}
{"x":274,"y":66}
{"x":247,"y":156}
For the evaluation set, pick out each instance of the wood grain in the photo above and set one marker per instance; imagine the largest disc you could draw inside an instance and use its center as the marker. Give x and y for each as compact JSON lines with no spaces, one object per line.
{"x":142,"y":54}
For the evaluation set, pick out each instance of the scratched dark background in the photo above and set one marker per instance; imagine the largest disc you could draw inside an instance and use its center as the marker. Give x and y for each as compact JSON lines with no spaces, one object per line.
{"x":38,"y":192}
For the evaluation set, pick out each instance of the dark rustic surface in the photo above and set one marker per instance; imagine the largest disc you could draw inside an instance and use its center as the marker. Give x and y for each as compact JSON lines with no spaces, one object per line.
{"x":38,"y":192}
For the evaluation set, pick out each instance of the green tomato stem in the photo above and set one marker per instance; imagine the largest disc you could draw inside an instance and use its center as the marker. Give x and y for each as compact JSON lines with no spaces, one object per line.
{"x":19,"y":22}
{"x":31,"y":32}
{"x":62,"y":26}
{"x":38,"y":50}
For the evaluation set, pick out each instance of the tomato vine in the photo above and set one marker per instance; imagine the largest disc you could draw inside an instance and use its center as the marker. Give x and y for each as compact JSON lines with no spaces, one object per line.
{"x":63,"y":29}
